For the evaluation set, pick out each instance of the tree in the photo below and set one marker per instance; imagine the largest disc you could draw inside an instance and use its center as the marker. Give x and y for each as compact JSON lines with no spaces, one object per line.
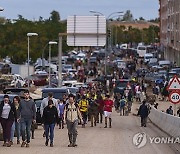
{"x":128,"y":16}
{"x":141,"y":19}
{"x":55,"y":17}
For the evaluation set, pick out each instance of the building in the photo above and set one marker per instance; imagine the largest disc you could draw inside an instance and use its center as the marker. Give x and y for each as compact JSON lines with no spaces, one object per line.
{"x":134,"y":24}
{"x":170,"y":29}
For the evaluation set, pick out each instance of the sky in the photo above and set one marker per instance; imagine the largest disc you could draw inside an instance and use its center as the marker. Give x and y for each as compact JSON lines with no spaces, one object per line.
{"x":33,"y":9}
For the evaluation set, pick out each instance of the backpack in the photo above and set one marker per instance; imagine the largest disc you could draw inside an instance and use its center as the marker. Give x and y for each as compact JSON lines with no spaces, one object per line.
{"x":122,"y":103}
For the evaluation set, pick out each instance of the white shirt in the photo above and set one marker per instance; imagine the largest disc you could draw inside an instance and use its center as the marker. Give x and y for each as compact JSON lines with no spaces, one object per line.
{"x":6,"y":110}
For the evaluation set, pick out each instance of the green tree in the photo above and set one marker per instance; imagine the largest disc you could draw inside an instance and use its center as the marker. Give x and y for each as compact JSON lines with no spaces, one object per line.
{"x":55,"y":17}
{"x":127,"y":16}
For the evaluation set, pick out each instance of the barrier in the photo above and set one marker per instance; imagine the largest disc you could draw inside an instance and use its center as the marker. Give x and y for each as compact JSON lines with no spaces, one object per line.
{"x":168,"y":123}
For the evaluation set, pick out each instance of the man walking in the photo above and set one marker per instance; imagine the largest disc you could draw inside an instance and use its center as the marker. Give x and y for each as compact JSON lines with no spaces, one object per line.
{"x":83,"y":107}
{"x":71,"y":116}
{"x":27,"y":116}
{"x":108,"y":105}
{"x":143,"y":112}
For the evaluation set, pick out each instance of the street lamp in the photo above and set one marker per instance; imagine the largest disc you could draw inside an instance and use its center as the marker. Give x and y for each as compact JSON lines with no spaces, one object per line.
{"x":1,"y":9}
{"x":50,"y":43}
{"x":29,"y":35}
{"x":107,"y":37}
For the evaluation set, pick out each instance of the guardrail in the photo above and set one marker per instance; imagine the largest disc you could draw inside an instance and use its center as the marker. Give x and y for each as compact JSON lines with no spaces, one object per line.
{"x":168,"y":123}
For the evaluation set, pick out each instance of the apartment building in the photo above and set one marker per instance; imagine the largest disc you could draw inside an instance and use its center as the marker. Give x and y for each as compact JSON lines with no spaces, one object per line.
{"x":170,"y":29}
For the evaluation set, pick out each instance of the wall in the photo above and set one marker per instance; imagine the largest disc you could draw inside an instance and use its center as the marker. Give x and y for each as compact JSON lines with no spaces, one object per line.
{"x":168,"y":123}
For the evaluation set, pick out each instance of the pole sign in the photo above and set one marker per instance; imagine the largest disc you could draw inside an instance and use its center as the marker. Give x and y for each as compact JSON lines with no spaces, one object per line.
{"x":174,"y":97}
{"x":174,"y":88}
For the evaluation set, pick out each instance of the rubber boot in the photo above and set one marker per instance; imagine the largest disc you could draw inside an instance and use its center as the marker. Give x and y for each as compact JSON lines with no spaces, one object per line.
{"x":70,"y":140}
{"x":105,"y":122}
{"x":110,"y":120}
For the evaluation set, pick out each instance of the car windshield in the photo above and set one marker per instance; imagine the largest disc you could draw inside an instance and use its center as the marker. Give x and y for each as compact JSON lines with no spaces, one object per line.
{"x":121,"y":83}
{"x":141,"y":48}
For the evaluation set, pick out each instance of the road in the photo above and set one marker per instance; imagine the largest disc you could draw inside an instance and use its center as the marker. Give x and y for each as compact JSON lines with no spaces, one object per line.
{"x":99,"y":140}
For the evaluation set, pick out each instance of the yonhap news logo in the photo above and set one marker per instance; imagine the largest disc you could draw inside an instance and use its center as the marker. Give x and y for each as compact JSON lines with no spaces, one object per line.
{"x":141,"y":139}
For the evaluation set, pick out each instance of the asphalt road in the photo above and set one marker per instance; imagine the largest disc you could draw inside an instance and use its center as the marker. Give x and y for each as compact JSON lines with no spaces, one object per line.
{"x":99,"y":140}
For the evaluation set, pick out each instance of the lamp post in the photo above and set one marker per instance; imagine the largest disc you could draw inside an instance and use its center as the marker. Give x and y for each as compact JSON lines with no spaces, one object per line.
{"x":1,"y":9}
{"x":50,"y":43}
{"x":107,"y":31}
{"x":29,"y":35}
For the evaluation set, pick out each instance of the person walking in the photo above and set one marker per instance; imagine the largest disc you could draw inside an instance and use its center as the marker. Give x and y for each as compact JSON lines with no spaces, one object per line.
{"x":71,"y":116}
{"x":27,"y":116}
{"x":143,"y":112}
{"x":49,"y":118}
{"x":83,"y":107}
{"x":7,"y":117}
{"x":123,"y":103}
{"x":16,"y":124}
{"x":93,"y":110}
{"x":108,"y":105}
{"x":61,"y":114}
{"x":45,"y":103}
{"x":100,"y":103}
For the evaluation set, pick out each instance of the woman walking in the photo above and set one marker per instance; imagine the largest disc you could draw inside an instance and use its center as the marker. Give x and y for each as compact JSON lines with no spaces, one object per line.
{"x":16,"y":124}
{"x":50,"y":117}
{"x":7,"y":117}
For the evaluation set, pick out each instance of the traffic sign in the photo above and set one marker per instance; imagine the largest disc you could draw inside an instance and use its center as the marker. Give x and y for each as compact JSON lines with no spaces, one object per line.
{"x":174,"y":97}
{"x":174,"y":84}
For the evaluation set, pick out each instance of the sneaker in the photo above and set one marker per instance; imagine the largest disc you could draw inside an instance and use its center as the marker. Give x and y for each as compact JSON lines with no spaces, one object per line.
{"x":105,"y":126}
{"x":8,"y":144}
{"x":5,"y":144}
{"x":51,"y":144}
{"x":44,"y":135}
{"x":46,"y":143}
{"x":11,"y":142}
{"x":18,"y":142}
{"x":74,"y":145}
{"x":23,"y":144}
{"x":70,"y":145}
{"x":27,"y":145}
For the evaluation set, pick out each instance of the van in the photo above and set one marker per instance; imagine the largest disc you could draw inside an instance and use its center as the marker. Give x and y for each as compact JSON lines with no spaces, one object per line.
{"x":58,"y":93}
{"x":147,"y":57}
{"x":141,"y":50}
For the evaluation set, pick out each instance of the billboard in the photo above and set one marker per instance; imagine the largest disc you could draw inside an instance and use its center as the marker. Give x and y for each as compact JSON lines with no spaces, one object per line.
{"x":86,"y":30}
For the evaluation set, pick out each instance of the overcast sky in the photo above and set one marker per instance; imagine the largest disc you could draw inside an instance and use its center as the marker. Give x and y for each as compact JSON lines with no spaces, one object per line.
{"x":33,"y":9}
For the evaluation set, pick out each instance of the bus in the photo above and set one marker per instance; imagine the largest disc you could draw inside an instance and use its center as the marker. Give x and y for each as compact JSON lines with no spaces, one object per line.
{"x":141,"y":50}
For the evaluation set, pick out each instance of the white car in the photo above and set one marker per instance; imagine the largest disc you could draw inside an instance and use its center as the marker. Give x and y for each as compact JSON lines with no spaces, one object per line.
{"x":16,"y":80}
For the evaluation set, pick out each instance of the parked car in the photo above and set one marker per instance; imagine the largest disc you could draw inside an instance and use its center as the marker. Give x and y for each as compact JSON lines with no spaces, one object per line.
{"x":38,"y":80}
{"x":120,"y":85}
{"x":92,"y":60}
{"x":165,"y":63}
{"x":147,"y":57}
{"x":15,"y":91}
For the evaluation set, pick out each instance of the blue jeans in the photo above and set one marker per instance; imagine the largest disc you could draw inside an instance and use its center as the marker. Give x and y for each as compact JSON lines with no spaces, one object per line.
{"x":26,"y":129}
{"x":15,"y":127}
{"x":49,"y":128}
